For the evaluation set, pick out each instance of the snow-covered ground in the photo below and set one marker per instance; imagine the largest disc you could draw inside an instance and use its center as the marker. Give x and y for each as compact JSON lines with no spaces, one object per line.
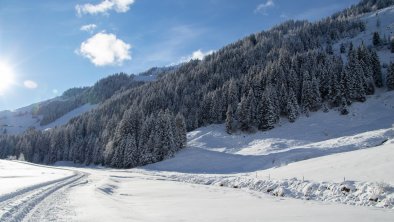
{"x":94,"y":194}
{"x":212,"y":150}
{"x":18,"y":121}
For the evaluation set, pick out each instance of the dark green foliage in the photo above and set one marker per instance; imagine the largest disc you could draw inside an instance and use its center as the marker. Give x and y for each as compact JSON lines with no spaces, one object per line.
{"x":342,"y":48}
{"x":392,"y":45}
{"x":390,"y":77}
{"x":376,"y":39}
{"x":229,"y":120}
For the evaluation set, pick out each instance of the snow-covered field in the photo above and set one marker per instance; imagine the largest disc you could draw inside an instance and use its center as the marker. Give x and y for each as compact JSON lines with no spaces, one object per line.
{"x":94,"y":194}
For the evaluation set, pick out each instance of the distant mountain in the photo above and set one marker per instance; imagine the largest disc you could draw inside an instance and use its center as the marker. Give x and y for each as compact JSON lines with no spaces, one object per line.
{"x":293,"y":69}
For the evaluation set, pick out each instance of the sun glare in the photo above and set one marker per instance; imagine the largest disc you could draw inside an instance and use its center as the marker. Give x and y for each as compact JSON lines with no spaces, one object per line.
{"x":6,"y":77}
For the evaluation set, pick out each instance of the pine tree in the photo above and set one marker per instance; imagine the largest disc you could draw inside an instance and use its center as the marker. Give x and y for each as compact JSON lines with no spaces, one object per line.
{"x":292,"y":106}
{"x":118,"y":157}
{"x":376,"y":39}
{"x":376,"y":69}
{"x":243,"y":114}
{"x":390,"y":77}
{"x":354,"y":80}
{"x":229,"y":120}
{"x":343,"y":108}
{"x":392,"y":44}
{"x":232,"y":95}
{"x":268,"y":112}
{"x":342,"y":48}
{"x":180,"y":130}
{"x":131,"y":156}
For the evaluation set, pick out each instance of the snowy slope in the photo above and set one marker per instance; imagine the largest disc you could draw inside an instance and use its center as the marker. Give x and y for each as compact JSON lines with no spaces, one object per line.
{"x":375,"y":164}
{"x":385,"y":29}
{"x":73,"y":113}
{"x":18,"y":121}
{"x":212,"y":150}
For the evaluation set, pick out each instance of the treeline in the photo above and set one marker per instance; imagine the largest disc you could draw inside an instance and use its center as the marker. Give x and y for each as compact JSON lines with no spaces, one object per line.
{"x":137,"y":140}
{"x":288,"y":70}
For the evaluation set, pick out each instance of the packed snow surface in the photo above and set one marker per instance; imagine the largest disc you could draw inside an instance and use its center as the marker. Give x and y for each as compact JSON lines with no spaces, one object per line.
{"x":100,"y":194}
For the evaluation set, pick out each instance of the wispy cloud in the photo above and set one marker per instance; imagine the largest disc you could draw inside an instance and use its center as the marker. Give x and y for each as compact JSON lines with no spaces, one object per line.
{"x":104,"y":7}
{"x":105,"y":49}
{"x":88,"y":28}
{"x":263,"y":7}
{"x":30,"y":84}
{"x":198,"y":54}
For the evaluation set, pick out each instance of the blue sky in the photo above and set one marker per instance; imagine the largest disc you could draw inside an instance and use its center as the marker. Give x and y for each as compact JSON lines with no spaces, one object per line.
{"x":49,"y":46}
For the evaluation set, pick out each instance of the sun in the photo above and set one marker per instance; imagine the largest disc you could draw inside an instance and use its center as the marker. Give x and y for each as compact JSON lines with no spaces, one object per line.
{"x":6,"y":76}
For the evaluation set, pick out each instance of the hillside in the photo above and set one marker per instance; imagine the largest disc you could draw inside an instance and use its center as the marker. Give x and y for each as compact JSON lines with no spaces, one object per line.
{"x":211,"y":150}
{"x":72,"y":103}
{"x":254,"y":84}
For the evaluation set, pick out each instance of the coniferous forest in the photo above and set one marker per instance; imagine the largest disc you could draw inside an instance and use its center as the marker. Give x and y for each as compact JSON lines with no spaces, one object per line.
{"x":290,"y":70}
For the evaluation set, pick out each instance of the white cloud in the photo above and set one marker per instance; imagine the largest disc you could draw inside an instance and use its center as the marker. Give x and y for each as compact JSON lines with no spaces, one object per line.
{"x":88,"y":28}
{"x":103,"y":7}
{"x":105,"y":49}
{"x":199,"y":55}
{"x":262,"y":8}
{"x":30,"y":84}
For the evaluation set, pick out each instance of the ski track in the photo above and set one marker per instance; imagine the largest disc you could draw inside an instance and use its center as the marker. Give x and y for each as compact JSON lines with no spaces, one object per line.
{"x":18,"y":205}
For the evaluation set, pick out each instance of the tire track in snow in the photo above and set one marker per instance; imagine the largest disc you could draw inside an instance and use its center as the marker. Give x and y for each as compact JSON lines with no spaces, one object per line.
{"x":18,"y":204}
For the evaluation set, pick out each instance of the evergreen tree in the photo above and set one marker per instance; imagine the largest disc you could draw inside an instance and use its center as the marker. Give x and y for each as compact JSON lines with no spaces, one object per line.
{"x":243,"y":114}
{"x":376,"y":39}
{"x":376,"y":69}
{"x":392,"y":44}
{"x":180,"y":131}
{"x":131,"y":155}
{"x":342,"y":48}
{"x":229,"y":120}
{"x":118,"y":157}
{"x":292,"y":106}
{"x":390,"y":77}
{"x":268,"y":112}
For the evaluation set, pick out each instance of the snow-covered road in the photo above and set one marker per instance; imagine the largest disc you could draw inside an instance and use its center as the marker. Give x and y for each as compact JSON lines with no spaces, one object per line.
{"x":25,"y":202}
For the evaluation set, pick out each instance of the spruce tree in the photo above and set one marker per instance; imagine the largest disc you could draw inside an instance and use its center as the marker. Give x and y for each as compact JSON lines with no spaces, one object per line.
{"x":376,"y":39}
{"x":180,"y":131}
{"x":342,"y":48}
{"x":390,"y":77}
{"x":268,"y":112}
{"x":229,"y":120}
{"x":131,"y":155}
{"x":376,"y":69}
{"x":243,"y":114}
{"x":292,"y":106}
{"x":392,"y":45}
